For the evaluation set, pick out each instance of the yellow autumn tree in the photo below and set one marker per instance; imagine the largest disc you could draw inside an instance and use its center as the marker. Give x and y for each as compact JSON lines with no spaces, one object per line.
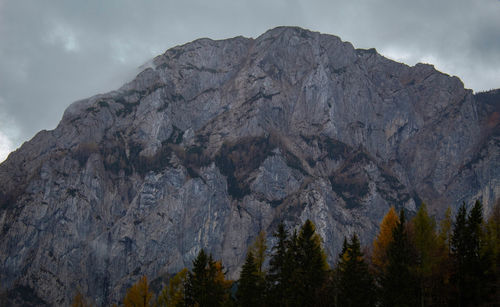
{"x":79,"y":301}
{"x":173,"y":294}
{"x":384,"y":238}
{"x":220,"y":278}
{"x":258,"y":249}
{"x":445,"y":230}
{"x":138,"y":295}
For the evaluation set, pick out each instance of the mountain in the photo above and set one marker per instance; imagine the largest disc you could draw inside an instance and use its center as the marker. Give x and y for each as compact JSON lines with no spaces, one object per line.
{"x":216,"y":140}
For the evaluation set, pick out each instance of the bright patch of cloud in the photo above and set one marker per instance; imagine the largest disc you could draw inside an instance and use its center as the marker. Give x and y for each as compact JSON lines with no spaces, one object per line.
{"x":5,"y":147}
{"x":65,"y":36}
{"x":8,"y":133}
{"x":405,"y":56}
{"x":429,"y":59}
{"x":121,"y":51}
{"x":398,"y":55}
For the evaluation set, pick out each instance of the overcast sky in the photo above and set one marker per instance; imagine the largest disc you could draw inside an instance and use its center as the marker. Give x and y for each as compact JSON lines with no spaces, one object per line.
{"x":55,"y":52}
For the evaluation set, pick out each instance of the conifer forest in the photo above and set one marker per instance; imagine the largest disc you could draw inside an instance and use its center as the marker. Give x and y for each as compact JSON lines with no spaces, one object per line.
{"x":415,"y":261}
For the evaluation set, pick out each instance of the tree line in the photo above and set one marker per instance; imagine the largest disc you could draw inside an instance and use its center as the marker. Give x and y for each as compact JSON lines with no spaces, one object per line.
{"x":418,"y":262}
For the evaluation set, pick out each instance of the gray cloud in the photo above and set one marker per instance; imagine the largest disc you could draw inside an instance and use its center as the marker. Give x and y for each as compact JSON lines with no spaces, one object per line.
{"x":55,"y":52}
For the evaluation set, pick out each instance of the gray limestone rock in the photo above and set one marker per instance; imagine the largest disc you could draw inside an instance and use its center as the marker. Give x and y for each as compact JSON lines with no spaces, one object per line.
{"x":217,"y":140}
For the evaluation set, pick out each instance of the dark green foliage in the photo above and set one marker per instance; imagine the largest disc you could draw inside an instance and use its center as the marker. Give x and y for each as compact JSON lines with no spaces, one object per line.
{"x":197,"y":283}
{"x":398,"y":284}
{"x":250,"y":287}
{"x":470,"y":271}
{"x":328,"y":294}
{"x":345,"y":246}
{"x":474,"y":223}
{"x":459,"y":237}
{"x":293,"y":272}
{"x":205,"y":284}
{"x":461,"y":253}
{"x":415,"y":271}
{"x":297,"y":269}
{"x":279,"y":269}
{"x":490,"y":255}
{"x":311,"y":267}
{"x":355,"y":283}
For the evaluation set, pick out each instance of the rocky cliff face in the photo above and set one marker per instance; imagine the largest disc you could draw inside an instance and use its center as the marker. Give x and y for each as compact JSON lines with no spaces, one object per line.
{"x":217,"y":140}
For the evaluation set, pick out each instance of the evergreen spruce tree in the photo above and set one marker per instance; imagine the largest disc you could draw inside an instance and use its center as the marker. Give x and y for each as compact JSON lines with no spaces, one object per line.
{"x":398,"y":283}
{"x":279,"y":273}
{"x":249,"y":290}
{"x":476,"y":265}
{"x":444,"y":290}
{"x":312,"y":269}
{"x":470,"y":267}
{"x":197,"y":280}
{"x":293,"y":270}
{"x":474,"y":223}
{"x":345,"y":246}
{"x":459,"y":252}
{"x":355,"y":281}
{"x":206,"y":284}
{"x":491,"y":255}
{"x":336,"y":274}
{"x":218,"y":286}
{"x":328,"y":295}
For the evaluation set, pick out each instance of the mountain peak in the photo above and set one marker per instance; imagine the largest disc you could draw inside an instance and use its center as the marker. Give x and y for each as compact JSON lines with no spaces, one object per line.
{"x":216,"y":140}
